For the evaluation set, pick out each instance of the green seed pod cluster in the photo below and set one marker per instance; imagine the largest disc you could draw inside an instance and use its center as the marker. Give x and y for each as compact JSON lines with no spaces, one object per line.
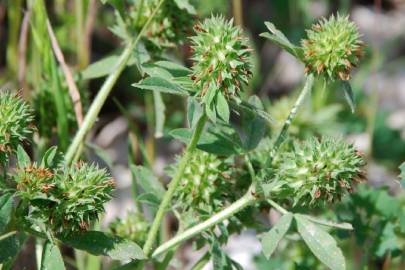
{"x":15,"y":124}
{"x":64,"y":199}
{"x":204,"y":185}
{"x":169,"y":26}
{"x":221,"y":58}
{"x":316,"y":172}
{"x":134,"y":227}
{"x":332,"y":48}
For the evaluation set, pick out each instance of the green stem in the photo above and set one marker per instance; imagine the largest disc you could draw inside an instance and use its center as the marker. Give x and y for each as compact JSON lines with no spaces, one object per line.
{"x":167,"y":198}
{"x":105,"y":90}
{"x":283,"y":133}
{"x":231,"y":210}
{"x":7,"y":235}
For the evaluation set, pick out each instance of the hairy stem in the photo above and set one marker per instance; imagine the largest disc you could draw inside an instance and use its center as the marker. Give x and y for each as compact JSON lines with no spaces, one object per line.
{"x":283,"y":133}
{"x":105,"y":90}
{"x":231,"y":210}
{"x":167,"y":198}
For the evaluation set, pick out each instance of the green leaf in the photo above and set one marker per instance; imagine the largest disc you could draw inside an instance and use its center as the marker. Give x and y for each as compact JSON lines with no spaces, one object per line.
{"x":349,"y":96}
{"x":176,"y":70}
{"x":194,"y":112}
{"x":6,"y":207}
{"x":10,"y":246}
{"x":160,"y":85}
{"x":185,"y":4}
{"x":154,"y":71}
{"x":99,"y":243}
{"x":254,"y":126}
{"x":51,"y":257}
{"x":222,"y":107}
{"x":100,"y":68}
{"x":219,"y":258}
{"x":159,"y":114}
{"x":51,"y":158}
{"x":222,"y":141}
{"x":387,"y":240}
{"x":271,"y":239}
{"x":23,"y":159}
{"x":321,"y":243}
{"x":148,"y":181}
{"x":281,"y":40}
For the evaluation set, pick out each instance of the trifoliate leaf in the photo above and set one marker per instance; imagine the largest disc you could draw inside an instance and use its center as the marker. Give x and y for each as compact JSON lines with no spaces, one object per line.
{"x":321,"y":243}
{"x":271,"y":239}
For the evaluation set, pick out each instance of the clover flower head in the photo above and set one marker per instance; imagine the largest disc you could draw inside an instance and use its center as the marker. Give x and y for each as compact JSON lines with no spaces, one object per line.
{"x":15,"y":124}
{"x":317,"y":171}
{"x":221,"y":58}
{"x":332,"y":48}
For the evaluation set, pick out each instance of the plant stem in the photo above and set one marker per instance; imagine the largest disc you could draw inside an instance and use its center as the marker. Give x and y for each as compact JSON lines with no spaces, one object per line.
{"x":234,"y":208}
{"x":202,"y":262}
{"x":105,"y":90}
{"x":283,"y":133}
{"x":237,"y":12}
{"x":7,"y":235}
{"x":167,"y":198}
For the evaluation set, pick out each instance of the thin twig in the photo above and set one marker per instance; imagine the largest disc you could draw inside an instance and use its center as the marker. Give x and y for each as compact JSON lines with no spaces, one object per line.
{"x":73,"y":90}
{"x":22,"y":52}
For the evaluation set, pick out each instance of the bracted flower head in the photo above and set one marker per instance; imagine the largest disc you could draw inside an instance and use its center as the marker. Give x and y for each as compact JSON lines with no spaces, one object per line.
{"x":15,"y":124}
{"x":169,"y":26}
{"x":204,"y":184}
{"x":332,"y":48}
{"x":221,"y":60}
{"x":134,"y":227}
{"x":316,"y":172}
{"x":64,"y":199}
{"x":83,"y":190}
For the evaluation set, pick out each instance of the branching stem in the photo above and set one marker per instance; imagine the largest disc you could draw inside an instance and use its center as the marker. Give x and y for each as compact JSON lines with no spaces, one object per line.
{"x":231,"y":210}
{"x":167,"y":198}
{"x":95,"y":108}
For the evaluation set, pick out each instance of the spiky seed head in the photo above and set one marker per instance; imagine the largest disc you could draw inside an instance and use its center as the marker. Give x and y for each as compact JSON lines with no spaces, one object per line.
{"x":169,"y":26}
{"x":332,"y":48}
{"x":15,"y":124}
{"x":64,"y":199}
{"x":133,"y":227}
{"x":221,"y":58}
{"x":317,"y":171}
{"x":203,"y":184}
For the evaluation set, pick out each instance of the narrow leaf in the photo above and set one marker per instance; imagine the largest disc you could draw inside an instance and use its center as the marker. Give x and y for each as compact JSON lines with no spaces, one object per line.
{"x":100,"y":68}
{"x":349,"y":95}
{"x":160,"y":85}
{"x":23,"y":159}
{"x":51,"y":257}
{"x":99,"y":243}
{"x":148,"y":181}
{"x":271,"y":239}
{"x":6,"y":206}
{"x":222,"y":107}
{"x":280,"y":39}
{"x":321,"y":243}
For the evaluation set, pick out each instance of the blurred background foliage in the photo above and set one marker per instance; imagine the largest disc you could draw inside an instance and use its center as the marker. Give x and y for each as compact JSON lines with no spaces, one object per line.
{"x":128,"y":123}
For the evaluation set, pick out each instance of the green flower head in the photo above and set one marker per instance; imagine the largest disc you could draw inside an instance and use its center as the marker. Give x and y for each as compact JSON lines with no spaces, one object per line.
{"x":204,"y":183}
{"x":332,"y":48}
{"x":169,"y":26}
{"x":15,"y":124}
{"x":317,"y":171}
{"x":221,"y":60}
{"x":134,"y":227}
{"x":64,"y":199}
